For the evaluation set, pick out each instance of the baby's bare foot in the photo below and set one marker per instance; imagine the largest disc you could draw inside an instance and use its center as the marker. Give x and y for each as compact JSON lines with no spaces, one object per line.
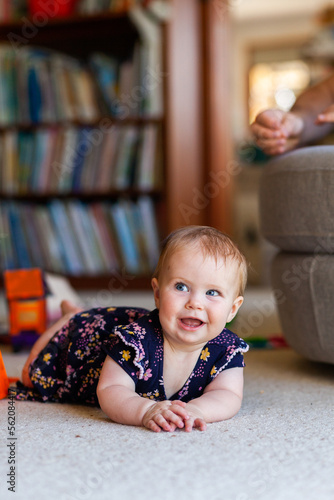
{"x":67,"y":307}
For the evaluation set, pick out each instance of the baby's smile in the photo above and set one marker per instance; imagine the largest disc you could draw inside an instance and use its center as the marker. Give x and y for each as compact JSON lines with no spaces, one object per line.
{"x":191,"y":323}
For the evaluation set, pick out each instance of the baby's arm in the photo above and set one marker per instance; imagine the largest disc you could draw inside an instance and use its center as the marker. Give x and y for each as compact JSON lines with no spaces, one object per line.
{"x":119,"y":401}
{"x":221,"y":400}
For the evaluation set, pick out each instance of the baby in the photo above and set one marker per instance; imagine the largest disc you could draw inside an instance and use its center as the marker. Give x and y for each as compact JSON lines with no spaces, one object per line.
{"x":175,"y":367}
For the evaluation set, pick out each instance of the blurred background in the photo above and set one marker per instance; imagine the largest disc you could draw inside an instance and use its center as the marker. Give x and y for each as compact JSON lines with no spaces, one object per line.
{"x":123,"y":120}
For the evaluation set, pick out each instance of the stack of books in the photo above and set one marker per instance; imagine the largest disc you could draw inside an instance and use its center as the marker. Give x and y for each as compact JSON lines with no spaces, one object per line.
{"x":73,"y":159}
{"x":80,"y":239}
{"x":44,"y":86}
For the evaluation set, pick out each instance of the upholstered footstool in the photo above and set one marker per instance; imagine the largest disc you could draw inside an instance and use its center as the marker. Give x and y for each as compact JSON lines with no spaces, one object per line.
{"x":297,"y":215}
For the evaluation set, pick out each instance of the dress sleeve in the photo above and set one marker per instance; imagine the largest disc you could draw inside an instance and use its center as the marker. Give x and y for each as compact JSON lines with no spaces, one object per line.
{"x":127,"y":350}
{"x":231,"y":356}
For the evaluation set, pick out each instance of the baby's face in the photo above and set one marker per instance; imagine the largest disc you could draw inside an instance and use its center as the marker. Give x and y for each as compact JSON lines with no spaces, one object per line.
{"x":196,"y":297}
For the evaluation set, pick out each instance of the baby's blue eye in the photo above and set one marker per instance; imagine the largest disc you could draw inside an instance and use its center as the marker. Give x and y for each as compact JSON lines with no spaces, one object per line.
{"x":212,"y":293}
{"x":181,"y":287}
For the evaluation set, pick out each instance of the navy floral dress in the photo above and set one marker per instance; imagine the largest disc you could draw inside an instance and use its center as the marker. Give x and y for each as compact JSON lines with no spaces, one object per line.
{"x":68,"y":368}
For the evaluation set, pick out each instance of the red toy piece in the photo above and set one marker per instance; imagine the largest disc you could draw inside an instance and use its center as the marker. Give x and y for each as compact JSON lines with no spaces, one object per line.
{"x":52,"y":8}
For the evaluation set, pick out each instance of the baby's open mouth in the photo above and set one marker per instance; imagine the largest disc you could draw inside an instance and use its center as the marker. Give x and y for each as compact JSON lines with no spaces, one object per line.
{"x":191,"y":322}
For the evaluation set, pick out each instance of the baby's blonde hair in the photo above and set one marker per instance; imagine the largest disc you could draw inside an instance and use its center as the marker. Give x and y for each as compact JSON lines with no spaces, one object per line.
{"x":212,"y":242}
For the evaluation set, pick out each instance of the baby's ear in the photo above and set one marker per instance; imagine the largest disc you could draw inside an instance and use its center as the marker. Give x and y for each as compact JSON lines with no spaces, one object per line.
{"x":235,"y":308}
{"x":155,"y":286}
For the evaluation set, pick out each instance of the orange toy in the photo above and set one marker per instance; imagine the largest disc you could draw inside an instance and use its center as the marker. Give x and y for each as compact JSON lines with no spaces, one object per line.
{"x":25,"y":291}
{"x":4,"y":381}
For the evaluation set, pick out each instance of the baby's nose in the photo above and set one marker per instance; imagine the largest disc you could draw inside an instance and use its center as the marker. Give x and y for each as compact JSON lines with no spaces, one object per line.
{"x":194,"y":302}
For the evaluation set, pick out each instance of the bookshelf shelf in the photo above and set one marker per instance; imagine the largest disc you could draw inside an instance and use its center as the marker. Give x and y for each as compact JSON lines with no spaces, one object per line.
{"x":112,"y":283}
{"x":106,"y":119}
{"x":74,"y":35}
{"x":111,"y":195}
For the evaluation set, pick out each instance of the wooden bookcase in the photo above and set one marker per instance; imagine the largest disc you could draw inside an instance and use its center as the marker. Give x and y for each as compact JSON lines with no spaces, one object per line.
{"x":113,"y":34}
{"x":196,"y":144}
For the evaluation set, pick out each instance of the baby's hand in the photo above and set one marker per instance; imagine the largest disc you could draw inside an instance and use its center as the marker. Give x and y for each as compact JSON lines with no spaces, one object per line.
{"x":166,"y":415}
{"x":195,"y":419}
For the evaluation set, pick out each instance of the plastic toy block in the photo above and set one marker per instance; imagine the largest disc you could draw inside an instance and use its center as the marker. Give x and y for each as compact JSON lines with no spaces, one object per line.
{"x":25,"y":292}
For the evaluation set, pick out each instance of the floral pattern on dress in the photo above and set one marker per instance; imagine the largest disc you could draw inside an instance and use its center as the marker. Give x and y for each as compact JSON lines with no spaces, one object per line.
{"x":68,"y":368}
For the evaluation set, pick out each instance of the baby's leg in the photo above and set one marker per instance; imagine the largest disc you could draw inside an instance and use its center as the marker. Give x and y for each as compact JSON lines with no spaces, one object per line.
{"x":68,"y":310}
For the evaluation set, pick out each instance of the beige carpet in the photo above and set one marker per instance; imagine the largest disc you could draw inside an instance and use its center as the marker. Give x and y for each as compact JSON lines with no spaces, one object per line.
{"x":279,"y":446}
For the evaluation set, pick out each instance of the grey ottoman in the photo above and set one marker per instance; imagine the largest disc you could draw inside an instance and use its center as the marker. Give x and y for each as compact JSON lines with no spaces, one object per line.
{"x":297,"y":215}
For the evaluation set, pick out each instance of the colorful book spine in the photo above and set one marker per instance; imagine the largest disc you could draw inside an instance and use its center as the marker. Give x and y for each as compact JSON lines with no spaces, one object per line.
{"x":80,"y":238}
{"x":79,"y":159}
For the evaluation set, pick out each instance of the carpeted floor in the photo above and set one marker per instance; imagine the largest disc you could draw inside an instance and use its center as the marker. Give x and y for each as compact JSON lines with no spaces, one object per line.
{"x":279,"y":447}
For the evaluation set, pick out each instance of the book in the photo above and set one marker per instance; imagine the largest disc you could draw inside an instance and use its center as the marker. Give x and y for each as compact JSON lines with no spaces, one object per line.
{"x":25,"y":151}
{"x":7,"y":251}
{"x":126,"y":157}
{"x":76,"y":216}
{"x":56,"y":168}
{"x":32,"y":236}
{"x":34,"y":93}
{"x":129,"y":102}
{"x":9,"y":94}
{"x":151,"y":77}
{"x":22,"y":64}
{"x":105,"y":69}
{"x":52,"y":250}
{"x":107,"y":160}
{"x":106,"y":236}
{"x":66,"y":237}
{"x":88,"y":109}
{"x":88,"y":238}
{"x":90,"y":161}
{"x":48,"y":158}
{"x":100,"y":239}
{"x":150,"y":230}
{"x":78,"y":160}
{"x":10,"y":161}
{"x":146,"y":171}
{"x":129,"y":251}
{"x":19,"y":240}
{"x":40,"y":149}
{"x":66,"y":162}
{"x":134,"y":223}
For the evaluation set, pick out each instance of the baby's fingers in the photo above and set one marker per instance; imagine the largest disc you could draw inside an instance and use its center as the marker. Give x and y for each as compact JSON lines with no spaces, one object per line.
{"x":158,"y":422}
{"x":199,"y":423}
{"x":175,"y":418}
{"x":177,"y":402}
{"x":179,"y":410}
{"x":167,"y":421}
{"x":153,"y":426}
